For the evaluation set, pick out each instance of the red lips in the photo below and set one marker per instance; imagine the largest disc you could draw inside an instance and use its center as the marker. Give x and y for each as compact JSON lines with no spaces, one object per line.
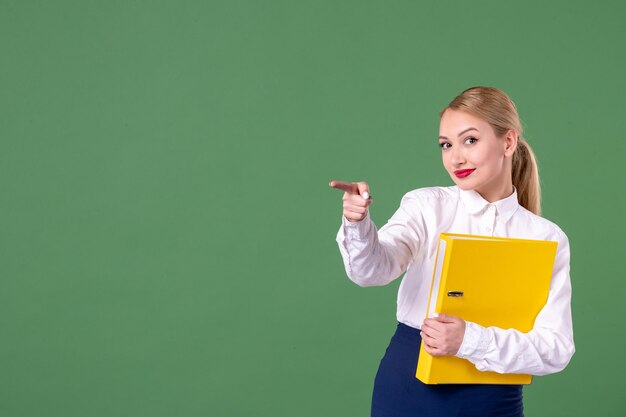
{"x":462,"y":173}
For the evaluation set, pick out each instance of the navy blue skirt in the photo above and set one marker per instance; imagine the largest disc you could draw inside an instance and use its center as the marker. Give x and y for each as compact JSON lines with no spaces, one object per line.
{"x":398,"y":393}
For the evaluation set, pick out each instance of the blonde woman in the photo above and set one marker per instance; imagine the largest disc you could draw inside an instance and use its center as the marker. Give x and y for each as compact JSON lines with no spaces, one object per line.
{"x":496,"y":193}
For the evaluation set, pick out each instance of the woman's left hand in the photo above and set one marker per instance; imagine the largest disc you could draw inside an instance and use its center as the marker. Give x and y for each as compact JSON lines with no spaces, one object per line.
{"x":443,"y":335}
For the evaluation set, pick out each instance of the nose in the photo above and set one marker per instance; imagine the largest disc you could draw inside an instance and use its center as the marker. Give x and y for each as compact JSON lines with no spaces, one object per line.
{"x":457,"y":156}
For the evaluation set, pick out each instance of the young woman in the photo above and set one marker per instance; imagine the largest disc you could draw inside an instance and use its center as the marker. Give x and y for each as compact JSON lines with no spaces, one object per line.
{"x":496,"y":194}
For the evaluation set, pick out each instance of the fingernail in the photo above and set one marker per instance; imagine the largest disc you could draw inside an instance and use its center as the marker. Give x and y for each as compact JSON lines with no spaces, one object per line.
{"x":366,"y":195}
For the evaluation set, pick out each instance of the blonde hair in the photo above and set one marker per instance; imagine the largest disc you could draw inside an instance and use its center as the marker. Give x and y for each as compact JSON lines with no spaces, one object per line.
{"x":497,"y":109}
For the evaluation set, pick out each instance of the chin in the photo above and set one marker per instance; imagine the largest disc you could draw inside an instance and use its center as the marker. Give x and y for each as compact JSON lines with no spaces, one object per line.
{"x":463,"y":185}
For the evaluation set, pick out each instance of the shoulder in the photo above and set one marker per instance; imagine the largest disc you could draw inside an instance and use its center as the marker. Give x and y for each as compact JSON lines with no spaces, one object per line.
{"x":542,"y":228}
{"x":424,"y":208}
{"x":431,"y":204}
{"x":433,"y":195}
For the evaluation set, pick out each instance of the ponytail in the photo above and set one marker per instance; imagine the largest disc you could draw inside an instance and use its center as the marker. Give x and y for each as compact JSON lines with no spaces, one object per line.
{"x":525,"y":175}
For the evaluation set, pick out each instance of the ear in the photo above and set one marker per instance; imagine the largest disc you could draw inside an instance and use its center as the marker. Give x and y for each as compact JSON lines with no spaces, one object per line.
{"x":510,"y":142}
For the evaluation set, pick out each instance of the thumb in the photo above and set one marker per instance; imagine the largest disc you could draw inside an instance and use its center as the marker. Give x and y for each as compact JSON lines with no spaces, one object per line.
{"x":364,"y":189}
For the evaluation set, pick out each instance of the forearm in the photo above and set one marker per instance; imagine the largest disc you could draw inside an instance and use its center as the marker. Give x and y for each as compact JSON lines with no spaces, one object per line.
{"x":376,"y":257}
{"x":367,"y":261}
{"x":541,"y":351}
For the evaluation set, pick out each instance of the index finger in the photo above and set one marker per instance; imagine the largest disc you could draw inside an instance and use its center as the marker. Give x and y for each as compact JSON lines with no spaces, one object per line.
{"x":349,"y":187}
{"x":433,"y":324}
{"x":444,"y":318}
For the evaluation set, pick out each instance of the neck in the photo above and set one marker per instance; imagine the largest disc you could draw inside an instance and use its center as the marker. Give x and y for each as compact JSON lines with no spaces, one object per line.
{"x":495,"y":194}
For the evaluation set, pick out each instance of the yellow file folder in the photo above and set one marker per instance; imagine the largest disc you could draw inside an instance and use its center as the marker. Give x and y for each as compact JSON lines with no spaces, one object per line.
{"x":491,"y":281}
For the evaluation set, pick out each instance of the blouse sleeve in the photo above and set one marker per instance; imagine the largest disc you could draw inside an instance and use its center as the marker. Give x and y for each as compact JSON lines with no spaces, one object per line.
{"x":374,"y":257}
{"x":546,"y":349}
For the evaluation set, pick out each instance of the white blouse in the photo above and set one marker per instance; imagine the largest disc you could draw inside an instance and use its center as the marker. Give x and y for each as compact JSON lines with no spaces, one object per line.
{"x":408,"y":242}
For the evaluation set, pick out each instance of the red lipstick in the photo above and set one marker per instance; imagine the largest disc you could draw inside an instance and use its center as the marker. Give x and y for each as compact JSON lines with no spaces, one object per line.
{"x":462,"y":173}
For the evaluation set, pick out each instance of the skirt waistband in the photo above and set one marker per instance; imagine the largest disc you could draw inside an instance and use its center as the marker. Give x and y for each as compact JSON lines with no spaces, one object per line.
{"x":407,"y":334}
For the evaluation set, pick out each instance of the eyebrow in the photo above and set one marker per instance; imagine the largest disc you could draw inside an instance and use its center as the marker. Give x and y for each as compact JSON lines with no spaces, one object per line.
{"x":460,"y":133}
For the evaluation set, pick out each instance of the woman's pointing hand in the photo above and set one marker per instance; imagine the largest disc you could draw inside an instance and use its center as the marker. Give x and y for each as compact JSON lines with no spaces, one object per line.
{"x":356,"y":199}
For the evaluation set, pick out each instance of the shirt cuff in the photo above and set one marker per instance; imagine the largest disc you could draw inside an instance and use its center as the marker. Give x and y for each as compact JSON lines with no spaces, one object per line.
{"x":357,"y":230}
{"x":475,"y":343}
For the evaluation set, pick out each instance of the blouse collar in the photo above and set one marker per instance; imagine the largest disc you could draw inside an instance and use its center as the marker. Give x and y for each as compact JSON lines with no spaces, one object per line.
{"x":475,"y":203}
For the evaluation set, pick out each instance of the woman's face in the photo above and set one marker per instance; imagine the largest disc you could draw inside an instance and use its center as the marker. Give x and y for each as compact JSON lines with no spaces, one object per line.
{"x":474,"y":157}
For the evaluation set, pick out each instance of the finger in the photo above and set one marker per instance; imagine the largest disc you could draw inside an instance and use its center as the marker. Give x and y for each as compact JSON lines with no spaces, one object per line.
{"x":364,"y":189}
{"x":354,"y":200}
{"x":353,"y":217}
{"x":427,"y":339}
{"x":430,"y":336}
{"x":433,"y":327}
{"x":354,"y":209}
{"x":433,"y":351}
{"x":444,"y":318}
{"x":349,"y":187}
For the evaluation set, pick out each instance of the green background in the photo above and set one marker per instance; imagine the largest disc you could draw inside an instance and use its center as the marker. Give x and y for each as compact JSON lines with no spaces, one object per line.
{"x":167,"y":234}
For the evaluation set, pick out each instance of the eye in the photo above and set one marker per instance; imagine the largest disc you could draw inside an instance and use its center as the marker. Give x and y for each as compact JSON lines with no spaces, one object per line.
{"x":472,"y":139}
{"x":445,"y":145}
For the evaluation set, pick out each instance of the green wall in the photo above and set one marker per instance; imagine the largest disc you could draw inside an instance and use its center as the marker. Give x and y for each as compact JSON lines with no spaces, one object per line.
{"x":167,"y":234}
